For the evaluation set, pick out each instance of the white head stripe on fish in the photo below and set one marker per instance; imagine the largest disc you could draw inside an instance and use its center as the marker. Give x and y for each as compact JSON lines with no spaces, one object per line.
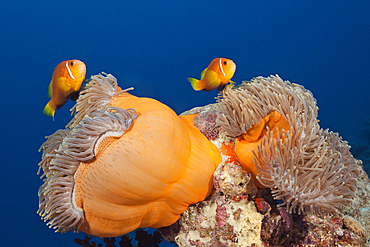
{"x":69,"y":71}
{"x":222,"y":70}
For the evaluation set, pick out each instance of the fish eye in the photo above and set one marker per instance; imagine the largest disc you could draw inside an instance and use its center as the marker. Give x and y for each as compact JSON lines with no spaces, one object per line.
{"x":225,"y":62}
{"x":71,"y":63}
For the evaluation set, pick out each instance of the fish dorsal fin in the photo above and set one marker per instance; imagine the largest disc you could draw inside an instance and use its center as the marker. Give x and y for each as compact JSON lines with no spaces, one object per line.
{"x":202,"y":74}
{"x":50,"y":89}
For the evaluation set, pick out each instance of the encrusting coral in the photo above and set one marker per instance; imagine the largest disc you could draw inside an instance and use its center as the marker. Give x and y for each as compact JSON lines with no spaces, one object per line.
{"x":279,"y":141}
{"x":124,"y":162}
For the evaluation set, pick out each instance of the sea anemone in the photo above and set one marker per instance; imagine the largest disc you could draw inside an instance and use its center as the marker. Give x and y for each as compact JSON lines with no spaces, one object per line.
{"x":123,"y":162}
{"x":279,"y":141}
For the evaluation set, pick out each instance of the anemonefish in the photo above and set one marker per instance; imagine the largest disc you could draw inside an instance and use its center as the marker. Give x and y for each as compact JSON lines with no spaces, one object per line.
{"x":216,"y":75}
{"x":65,"y":84}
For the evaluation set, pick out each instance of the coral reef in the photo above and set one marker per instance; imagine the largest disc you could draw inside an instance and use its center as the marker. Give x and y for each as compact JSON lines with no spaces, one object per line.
{"x":313,"y":230}
{"x":354,"y":226}
{"x":206,"y":123}
{"x":277,"y":228}
{"x":283,"y":181}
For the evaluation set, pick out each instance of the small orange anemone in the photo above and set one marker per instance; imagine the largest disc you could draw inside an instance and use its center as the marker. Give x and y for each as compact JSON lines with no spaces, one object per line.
{"x":247,"y":144}
{"x":116,"y":170}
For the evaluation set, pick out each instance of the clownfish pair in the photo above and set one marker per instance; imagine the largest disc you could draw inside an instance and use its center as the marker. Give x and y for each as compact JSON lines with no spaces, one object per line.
{"x":68,"y":77}
{"x":65,"y":84}
{"x":218,"y":73}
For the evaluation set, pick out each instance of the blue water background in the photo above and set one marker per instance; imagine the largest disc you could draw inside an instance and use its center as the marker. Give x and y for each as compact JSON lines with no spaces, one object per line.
{"x":154,"y":46}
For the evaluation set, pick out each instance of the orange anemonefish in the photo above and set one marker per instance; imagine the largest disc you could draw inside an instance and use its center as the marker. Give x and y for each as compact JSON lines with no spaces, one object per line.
{"x":216,"y":75}
{"x":65,"y":83}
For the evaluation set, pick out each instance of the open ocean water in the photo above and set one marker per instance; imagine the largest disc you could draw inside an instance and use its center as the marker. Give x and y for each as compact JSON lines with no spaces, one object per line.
{"x":153,"y":46}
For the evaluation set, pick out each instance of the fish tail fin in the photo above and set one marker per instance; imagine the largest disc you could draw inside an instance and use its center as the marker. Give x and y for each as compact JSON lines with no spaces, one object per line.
{"x":194,"y":83}
{"x":48,"y":110}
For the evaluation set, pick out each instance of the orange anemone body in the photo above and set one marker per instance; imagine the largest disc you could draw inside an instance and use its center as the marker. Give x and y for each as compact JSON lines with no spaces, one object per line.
{"x":248,"y":143}
{"x":148,"y":176}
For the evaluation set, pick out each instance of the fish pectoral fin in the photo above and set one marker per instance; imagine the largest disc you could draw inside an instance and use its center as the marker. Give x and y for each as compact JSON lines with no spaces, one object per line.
{"x":221,"y":87}
{"x":202,"y":74}
{"x":50,"y":89}
{"x":232,"y":82}
{"x":194,"y":83}
{"x":74,"y":96}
